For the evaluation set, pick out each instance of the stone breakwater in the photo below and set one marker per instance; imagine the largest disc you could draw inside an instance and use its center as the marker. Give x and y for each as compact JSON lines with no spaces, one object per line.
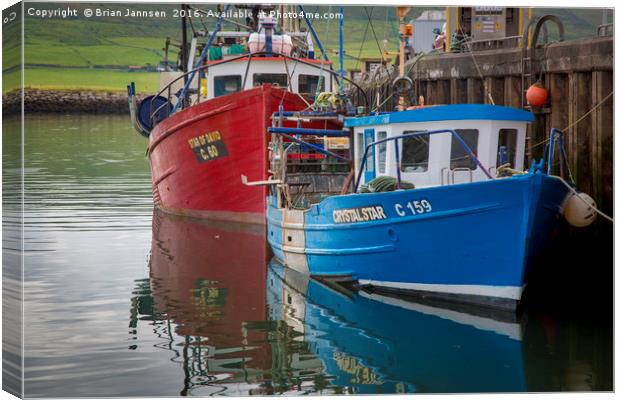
{"x":65,"y":101}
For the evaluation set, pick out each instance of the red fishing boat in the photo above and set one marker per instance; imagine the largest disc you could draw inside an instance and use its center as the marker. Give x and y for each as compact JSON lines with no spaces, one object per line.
{"x":207,"y":127}
{"x":198,"y":155}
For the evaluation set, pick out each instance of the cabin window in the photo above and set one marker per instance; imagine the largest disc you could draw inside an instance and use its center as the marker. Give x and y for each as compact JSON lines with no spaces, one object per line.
{"x":381,"y":152}
{"x":308,"y":84}
{"x":226,"y":84}
{"x":459,"y":157}
{"x":415,"y":153}
{"x":507,"y":147}
{"x":360,"y":148}
{"x":279,"y":80}
{"x":369,"y":137}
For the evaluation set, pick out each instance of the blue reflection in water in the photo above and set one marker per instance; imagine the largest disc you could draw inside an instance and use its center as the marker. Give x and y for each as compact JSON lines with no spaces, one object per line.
{"x":380,"y":344}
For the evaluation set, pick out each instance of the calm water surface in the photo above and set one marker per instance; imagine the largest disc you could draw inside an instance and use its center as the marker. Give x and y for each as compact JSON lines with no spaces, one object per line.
{"x":121,"y":301}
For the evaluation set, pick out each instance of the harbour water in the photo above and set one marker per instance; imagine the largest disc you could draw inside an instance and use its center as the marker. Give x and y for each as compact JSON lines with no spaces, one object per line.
{"x":123,"y":301}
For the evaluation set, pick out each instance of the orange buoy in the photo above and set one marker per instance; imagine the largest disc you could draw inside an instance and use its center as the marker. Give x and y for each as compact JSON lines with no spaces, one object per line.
{"x":536,"y":95}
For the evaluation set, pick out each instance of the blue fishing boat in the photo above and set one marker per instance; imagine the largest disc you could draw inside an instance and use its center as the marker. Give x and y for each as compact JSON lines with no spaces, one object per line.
{"x":459,"y":222}
{"x":442,"y":203}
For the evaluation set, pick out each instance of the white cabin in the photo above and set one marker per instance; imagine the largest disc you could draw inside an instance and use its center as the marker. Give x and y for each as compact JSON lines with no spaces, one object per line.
{"x":228,"y":77}
{"x":439,"y":159}
{"x":234,"y":69}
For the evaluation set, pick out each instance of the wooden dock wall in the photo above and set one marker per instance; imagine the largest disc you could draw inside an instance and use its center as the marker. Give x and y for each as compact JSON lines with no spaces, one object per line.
{"x":579,"y":76}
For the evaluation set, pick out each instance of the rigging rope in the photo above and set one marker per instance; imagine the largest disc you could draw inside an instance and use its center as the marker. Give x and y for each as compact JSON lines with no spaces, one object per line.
{"x":359,"y":55}
{"x":290,"y":83}
{"x":322,"y":70}
{"x":374,"y":33}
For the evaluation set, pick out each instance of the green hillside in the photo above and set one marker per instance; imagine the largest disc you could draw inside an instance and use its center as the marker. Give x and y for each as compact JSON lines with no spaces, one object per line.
{"x":96,"y":52}
{"x":578,"y":22}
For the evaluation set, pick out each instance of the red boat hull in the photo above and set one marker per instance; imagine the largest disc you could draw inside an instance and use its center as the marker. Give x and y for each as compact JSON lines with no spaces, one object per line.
{"x":198,"y":155}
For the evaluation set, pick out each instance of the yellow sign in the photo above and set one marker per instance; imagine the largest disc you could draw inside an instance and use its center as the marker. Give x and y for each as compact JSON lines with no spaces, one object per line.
{"x":337,"y":143}
{"x":208,"y":146}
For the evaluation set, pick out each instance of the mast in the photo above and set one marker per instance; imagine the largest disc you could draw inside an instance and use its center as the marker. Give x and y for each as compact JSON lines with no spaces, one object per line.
{"x":184,"y":40}
{"x":341,"y":49}
{"x":203,"y":56}
{"x":401,"y":11}
{"x":317,"y":40}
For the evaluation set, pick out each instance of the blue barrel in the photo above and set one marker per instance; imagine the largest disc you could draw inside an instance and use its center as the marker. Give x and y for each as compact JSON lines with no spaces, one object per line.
{"x":146,"y":108}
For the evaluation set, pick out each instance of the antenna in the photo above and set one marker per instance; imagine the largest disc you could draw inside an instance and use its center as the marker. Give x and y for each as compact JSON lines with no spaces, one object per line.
{"x":341,"y":52}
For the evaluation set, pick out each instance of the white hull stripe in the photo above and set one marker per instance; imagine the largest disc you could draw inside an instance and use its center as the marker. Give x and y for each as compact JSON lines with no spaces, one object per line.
{"x":504,"y":292}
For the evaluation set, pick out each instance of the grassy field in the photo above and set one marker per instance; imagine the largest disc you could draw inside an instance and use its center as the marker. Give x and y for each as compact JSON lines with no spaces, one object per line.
{"x":83,"y":44}
{"x":51,"y":45}
{"x":82,"y":79}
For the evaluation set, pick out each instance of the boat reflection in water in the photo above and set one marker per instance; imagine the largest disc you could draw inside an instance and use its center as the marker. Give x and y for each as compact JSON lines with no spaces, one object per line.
{"x":203,"y":300}
{"x":377,"y":344}
{"x":372,"y":343}
{"x":214,"y":318}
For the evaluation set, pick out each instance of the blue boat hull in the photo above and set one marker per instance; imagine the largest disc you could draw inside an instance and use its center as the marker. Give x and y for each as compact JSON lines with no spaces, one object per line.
{"x":474,"y":239}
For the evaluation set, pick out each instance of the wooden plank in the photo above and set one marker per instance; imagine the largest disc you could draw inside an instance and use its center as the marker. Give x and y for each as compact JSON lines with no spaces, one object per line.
{"x":601,"y":141}
{"x":569,"y":135}
{"x":580,"y":132}
{"x":486,"y":89}
{"x":443,"y":91}
{"x":559,"y":103}
{"x":422,"y":91}
{"x":458,"y":91}
{"x":595,"y":138}
{"x":558,"y":88}
{"x":475,"y":91}
{"x":430,"y":89}
{"x":454,"y":91}
{"x":494,"y":87}
{"x":431,"y":92}
{"x":536,"y":136}
{"x":512,"y":91}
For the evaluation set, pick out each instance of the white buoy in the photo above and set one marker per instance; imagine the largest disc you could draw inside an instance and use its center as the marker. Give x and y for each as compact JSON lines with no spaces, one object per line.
{"x":579,"y":210}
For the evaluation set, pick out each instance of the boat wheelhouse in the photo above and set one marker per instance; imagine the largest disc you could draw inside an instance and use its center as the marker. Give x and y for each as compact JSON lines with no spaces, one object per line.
{"x":303,"y":76}
{"x":495,"y":134}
